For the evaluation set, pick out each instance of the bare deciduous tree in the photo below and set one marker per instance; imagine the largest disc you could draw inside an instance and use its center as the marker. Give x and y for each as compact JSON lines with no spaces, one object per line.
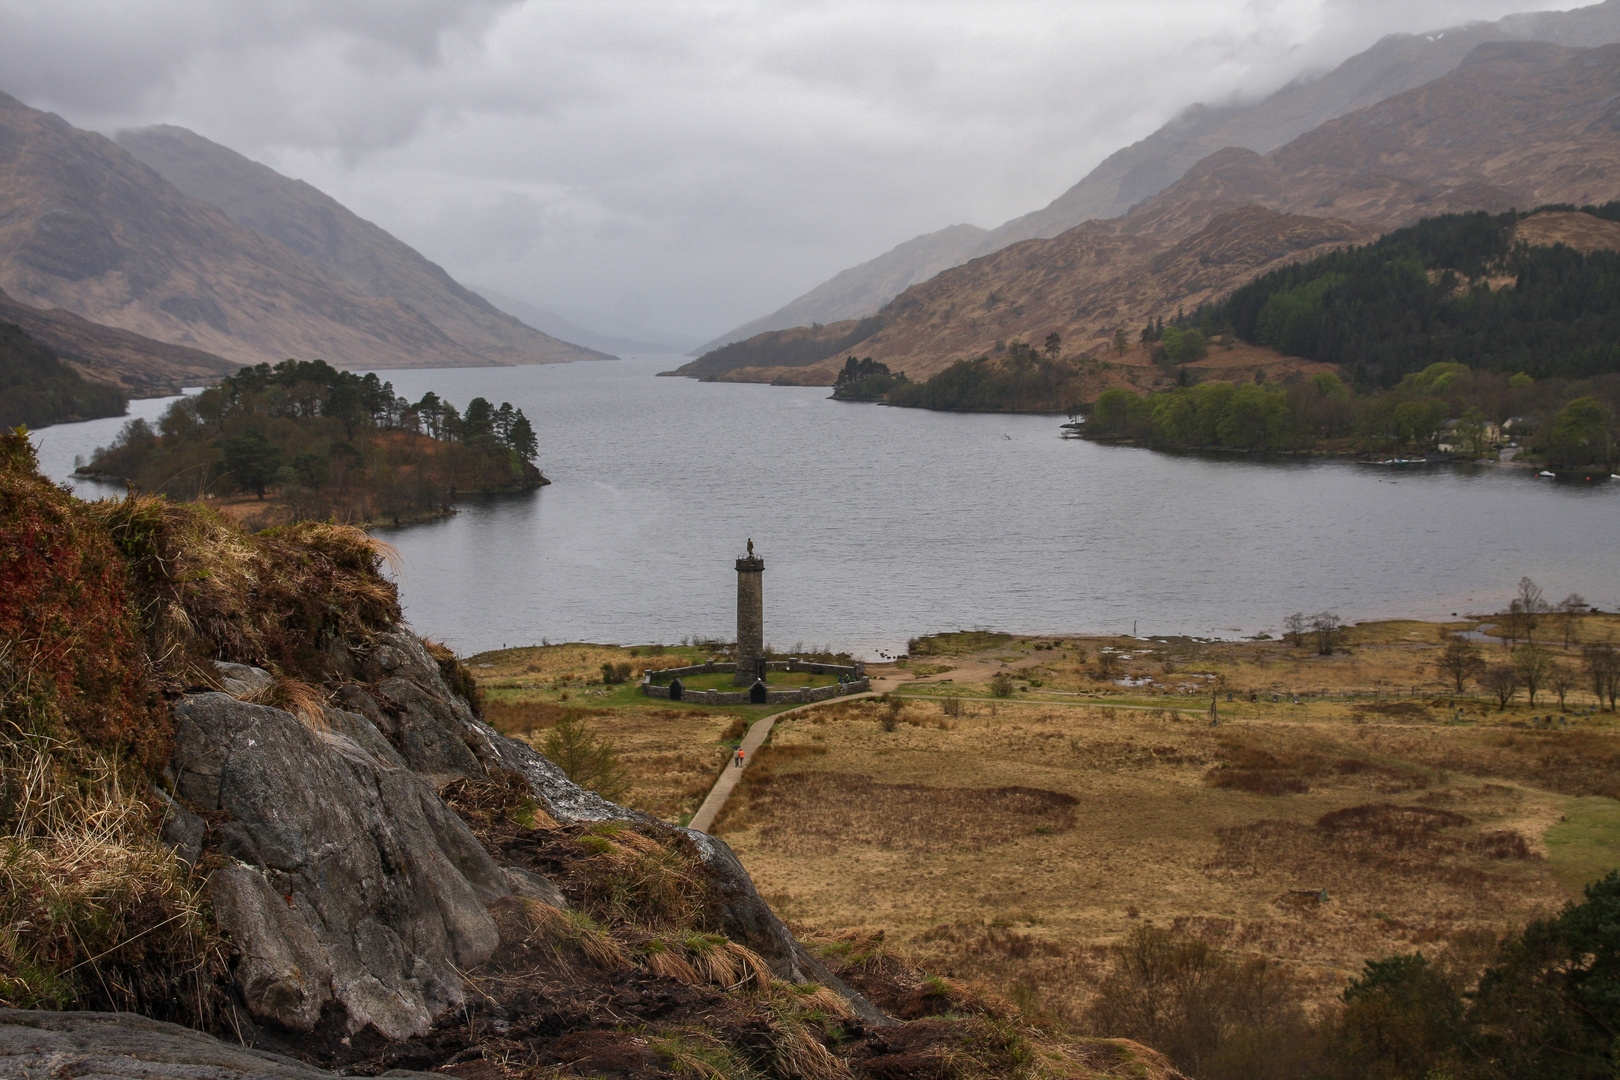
{"x":1513,"y":624}
{"x":1533,"y":665}
{"x":1561,"y":680}
{"x":1503,"y":681}
{"x":1326,"y":627}
{"x":1568,"y":608}
{"x":1460,"y":661}
{"x":1602,"y":665}
{"x":1295,"y":625}
{"x":1532,"y":605}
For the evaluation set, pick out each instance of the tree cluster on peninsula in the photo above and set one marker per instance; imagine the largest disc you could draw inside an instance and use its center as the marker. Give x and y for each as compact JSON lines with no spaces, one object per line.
{"x":328,"y":444}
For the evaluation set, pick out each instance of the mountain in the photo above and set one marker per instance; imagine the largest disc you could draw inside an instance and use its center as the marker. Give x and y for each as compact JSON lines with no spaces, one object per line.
{"x":1395,"y":64}
{"x":1517,"y":124}
{"x":312,"y":224}
{"x":138,"y":366}
{"x":86,"y":227}
{"x":861,"y":290}
{"x":638,"y":339}
{"x":615,"y":325}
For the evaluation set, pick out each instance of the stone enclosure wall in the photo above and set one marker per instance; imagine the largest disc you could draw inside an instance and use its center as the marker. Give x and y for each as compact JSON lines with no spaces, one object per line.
{"x":855,"y":682}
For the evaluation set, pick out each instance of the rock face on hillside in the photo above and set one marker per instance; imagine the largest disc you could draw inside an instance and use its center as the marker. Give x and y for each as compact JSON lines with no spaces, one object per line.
{"x":348,"y":884}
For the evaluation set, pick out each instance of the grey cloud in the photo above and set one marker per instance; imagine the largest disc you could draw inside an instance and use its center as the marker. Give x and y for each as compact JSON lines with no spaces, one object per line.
{"x":712,"y":157}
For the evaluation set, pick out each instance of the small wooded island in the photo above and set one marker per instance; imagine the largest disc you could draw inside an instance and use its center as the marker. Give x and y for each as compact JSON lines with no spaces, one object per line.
{"x":307,"y":441}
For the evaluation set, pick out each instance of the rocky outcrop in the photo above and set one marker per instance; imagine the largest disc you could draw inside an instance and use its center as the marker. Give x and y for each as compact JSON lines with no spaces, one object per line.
{"x":350,"y":889}
{"x":123,"y":1046}
{"x":350,"y":880}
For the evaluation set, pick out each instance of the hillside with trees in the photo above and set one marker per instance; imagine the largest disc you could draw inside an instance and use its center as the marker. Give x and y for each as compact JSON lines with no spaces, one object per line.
{"x":1519,"y":124}
{"x":327,"y":444}
{"x":1459,"y":287}
{"x":38,"y":389}
{"x":1463,"y":332}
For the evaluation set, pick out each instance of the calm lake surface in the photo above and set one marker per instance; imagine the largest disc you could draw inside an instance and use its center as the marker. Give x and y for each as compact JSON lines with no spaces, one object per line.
{"x":878,"y":524}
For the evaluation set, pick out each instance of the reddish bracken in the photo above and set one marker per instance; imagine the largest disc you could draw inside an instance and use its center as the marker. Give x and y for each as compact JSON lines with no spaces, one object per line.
{"x":65,"y":587}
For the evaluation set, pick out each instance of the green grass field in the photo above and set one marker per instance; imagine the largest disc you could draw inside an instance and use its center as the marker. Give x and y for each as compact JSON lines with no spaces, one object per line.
{"x":1586,"y":844}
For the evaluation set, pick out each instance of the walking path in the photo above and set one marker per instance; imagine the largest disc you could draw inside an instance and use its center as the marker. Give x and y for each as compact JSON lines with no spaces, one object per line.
{"x":703,"y":820}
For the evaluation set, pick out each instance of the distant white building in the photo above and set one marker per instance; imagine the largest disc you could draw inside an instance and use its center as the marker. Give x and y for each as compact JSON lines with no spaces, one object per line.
{"x":1454,"y":440}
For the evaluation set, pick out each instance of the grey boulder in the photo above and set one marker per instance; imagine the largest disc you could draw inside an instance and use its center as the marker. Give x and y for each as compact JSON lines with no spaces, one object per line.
{"x":37,"y":1045}
{"x":353,"y":882}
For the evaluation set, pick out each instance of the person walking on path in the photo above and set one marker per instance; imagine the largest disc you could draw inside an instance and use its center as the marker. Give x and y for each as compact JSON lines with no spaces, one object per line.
{"x":738,"y":760}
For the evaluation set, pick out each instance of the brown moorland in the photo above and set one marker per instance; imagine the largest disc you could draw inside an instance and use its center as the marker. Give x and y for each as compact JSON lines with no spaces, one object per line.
{"x":1345,"y":807}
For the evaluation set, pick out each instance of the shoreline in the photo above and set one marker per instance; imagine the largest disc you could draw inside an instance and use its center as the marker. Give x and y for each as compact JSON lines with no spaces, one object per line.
{"x":250,"y":511}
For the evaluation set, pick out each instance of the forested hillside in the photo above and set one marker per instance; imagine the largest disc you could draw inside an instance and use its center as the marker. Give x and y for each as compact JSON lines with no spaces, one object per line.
{"x":1459,"y":287}
{"x":37,"y":389}
{"x":329,"y":443}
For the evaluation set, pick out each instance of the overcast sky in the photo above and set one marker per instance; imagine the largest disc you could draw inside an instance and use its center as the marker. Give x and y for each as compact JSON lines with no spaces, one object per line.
{"x":688,"y":165}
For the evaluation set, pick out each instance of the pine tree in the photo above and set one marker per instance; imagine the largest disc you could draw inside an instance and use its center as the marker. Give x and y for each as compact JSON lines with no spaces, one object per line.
{"x":520,"y":437}
{"x":590,"y":762}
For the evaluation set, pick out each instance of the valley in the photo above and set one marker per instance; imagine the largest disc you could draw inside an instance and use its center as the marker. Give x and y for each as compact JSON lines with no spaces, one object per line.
{"x":337,"y":739}
{"x":1343,"y":807}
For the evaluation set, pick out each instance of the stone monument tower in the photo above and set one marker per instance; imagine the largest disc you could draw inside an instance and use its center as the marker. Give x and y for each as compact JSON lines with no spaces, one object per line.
{"x":750,"y":618}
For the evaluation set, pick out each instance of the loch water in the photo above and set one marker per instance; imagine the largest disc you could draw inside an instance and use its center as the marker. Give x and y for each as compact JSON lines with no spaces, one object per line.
{"x":877,"y":524}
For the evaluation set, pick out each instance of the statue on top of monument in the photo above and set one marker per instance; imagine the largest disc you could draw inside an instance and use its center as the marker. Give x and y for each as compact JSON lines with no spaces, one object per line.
{"x":750,"y":547}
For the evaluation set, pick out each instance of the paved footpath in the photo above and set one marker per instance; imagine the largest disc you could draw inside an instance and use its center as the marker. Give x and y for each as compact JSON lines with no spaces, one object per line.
{"x":729,"y":778}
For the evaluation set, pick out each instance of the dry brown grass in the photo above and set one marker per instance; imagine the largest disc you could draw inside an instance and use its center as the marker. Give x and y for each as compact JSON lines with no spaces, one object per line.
{"x":671,"y":756}
{"x":206,"y":590}
{"x":1570,"y":762}
{"x":833,"y":810}
{"x":955,"y":832}
{"x":1247,"y":765}
{"x":95,"y":912}
{"x":1388,"y":658}
{"x":1434,"y":862}
{"x":635,"y":876}
{"x":952,"y":839}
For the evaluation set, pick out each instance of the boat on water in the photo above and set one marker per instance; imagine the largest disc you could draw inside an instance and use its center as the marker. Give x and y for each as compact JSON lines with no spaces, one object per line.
{"x":1074,"y":427}
{"x":1548,"y":473}
{"x":1397,"y":461}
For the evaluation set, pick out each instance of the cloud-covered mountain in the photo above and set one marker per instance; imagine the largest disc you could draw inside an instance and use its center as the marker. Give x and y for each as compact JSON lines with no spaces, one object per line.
{"x":604,"y":332}
{"x":1517,"y":124}
{"x":87,"y":228}
{"x":1395,"y":64}
{"x":314,"y":225}
{"x":863,"y":289}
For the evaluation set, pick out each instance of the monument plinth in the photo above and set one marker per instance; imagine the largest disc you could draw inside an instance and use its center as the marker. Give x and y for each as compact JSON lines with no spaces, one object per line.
{"x":750,"y":619}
